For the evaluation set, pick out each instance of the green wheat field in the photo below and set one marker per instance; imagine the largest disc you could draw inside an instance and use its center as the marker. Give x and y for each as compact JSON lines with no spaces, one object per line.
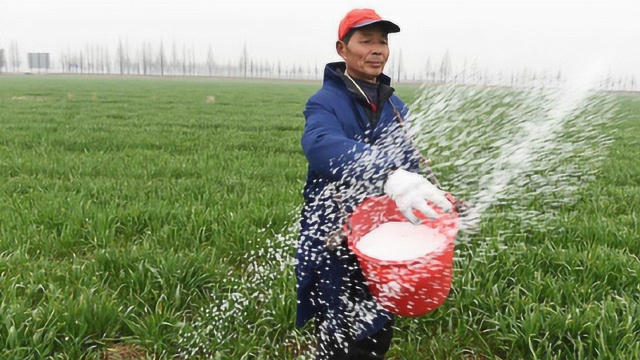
{"x":139,"y":218}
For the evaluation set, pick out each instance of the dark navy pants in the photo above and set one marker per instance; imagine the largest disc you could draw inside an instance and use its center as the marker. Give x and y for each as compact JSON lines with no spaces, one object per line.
{"x":373,"y":347}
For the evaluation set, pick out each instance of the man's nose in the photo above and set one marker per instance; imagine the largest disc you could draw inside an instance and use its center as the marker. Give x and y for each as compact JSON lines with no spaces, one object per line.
{"x":377,"y":50}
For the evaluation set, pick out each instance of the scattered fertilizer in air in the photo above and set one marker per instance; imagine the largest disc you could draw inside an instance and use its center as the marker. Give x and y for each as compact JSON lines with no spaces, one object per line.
{"x":256,"y":282}
{"x":401,"y":241}
{"x":522,"y":149}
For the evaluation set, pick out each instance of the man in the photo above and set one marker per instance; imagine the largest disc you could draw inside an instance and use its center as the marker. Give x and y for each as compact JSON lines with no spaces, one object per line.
{"x":357,"y":147}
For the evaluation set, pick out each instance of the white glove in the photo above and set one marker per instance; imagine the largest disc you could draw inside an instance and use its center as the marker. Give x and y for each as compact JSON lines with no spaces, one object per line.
{"x":412,"y":191}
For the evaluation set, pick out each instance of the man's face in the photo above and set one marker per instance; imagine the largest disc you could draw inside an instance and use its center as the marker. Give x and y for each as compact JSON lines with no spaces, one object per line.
{"x":366,"y":53}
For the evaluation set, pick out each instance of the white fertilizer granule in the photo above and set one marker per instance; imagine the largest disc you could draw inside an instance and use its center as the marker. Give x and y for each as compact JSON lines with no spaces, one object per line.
{"x":400,"y":241}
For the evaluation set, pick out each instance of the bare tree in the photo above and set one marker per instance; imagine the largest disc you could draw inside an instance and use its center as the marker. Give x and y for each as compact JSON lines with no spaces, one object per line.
{"x":399,"y":66}
{"x":174,"y":58}
{"x":2,"y":60}
{"x":107,"y":60}
{"x":192,"y":62}
{"x":89,"y":58}
{"x":146,"y":58}
{"x":99,"y":59}
{"x":14,"y":56}
{"x":81,"y":61}
{"x":244,"y":59}
{"x":63,"y":62}
{"x":102,"y":59}
{"x":161,"y":58}
{"x":121,"y":55}
{"x":210,"y":61}
{"x":445,"y":67}
{"x":463,"y":74}
{"x":184,"y":60}
{"x":427,"y":68}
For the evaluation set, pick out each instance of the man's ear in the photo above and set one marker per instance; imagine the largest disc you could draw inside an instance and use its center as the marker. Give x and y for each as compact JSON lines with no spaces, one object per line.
{"x":341,"y":48}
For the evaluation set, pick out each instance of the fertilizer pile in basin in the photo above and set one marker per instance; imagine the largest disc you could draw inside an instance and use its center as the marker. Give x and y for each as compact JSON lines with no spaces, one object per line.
{"x":400,"y":241}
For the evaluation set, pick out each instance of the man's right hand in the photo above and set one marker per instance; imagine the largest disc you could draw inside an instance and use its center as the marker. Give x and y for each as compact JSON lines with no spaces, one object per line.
{"x":412,"y":191}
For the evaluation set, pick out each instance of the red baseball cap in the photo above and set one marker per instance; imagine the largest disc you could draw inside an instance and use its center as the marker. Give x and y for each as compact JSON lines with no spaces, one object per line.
{"x":358,"y":18}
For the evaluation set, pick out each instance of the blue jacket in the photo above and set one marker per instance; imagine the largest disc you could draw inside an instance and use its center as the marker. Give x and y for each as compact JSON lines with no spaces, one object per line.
{"x":350,"y":149}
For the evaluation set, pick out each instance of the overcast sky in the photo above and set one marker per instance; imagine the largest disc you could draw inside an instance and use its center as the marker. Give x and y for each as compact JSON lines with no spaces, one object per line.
{"x":501,"y":34}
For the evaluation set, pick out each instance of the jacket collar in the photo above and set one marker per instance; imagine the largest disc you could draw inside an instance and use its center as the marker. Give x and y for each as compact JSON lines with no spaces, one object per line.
{"x":334,"y":73}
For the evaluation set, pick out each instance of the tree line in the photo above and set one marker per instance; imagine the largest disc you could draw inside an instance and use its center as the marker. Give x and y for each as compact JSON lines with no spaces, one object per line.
{"x":162,"y":59}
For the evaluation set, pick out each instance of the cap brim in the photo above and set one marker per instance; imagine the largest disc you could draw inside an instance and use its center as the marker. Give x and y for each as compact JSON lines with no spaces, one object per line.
{"x":387,"y":25}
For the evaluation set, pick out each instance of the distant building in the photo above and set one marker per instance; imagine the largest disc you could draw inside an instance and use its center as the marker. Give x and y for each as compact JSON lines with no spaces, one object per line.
{"x":38,"y":61}
{"x":3,"y":61}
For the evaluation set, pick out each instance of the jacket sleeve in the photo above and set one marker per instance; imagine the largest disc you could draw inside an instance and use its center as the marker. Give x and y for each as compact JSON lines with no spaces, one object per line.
{"x":336,"y":156}
{"x":412,"y":154}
